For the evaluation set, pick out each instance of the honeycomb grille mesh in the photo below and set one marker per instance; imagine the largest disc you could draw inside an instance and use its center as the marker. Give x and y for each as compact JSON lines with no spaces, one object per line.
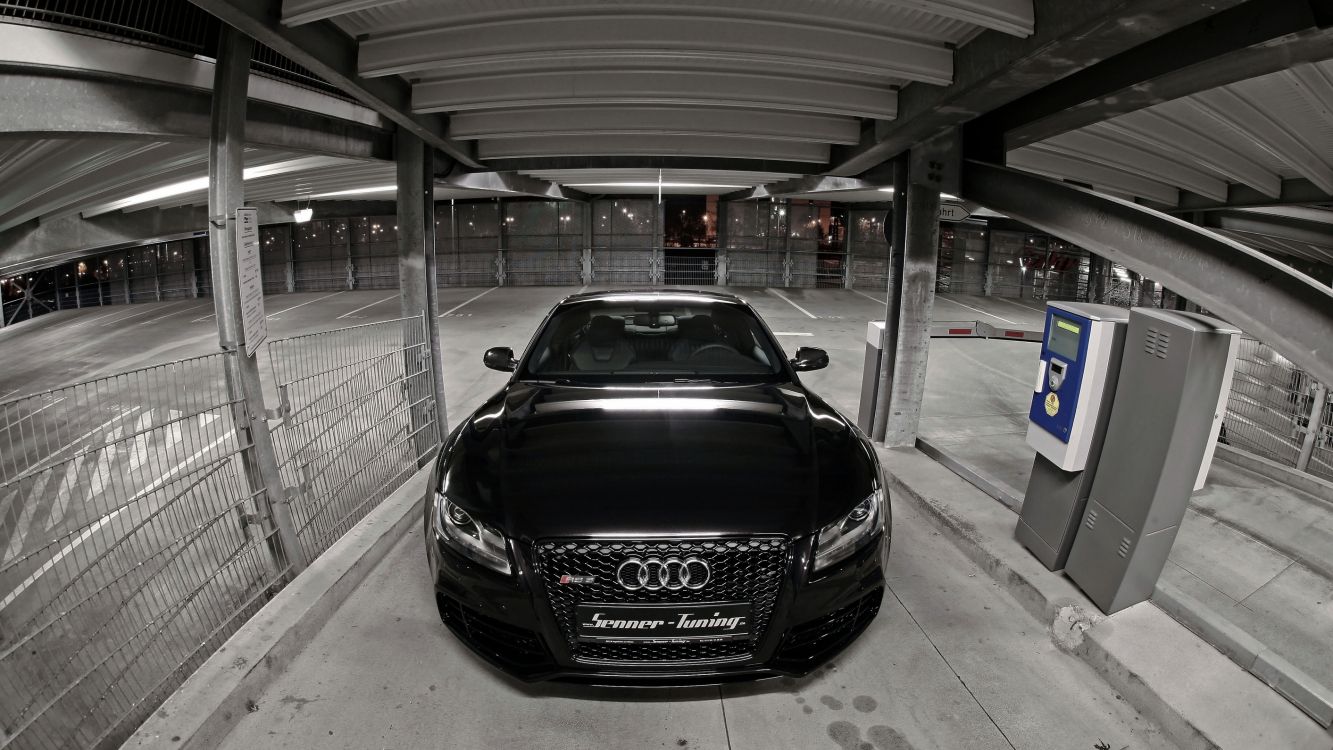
{"x":743,"y":570}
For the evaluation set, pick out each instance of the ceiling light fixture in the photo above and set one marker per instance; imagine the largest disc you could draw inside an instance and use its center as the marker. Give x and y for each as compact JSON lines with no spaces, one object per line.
{"x":358,"y":191}
{"x":687,"y":185}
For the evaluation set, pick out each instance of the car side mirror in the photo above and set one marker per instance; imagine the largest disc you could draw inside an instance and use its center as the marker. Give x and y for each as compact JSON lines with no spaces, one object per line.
{"x":500,"y":358}
{"x":809,"y":358}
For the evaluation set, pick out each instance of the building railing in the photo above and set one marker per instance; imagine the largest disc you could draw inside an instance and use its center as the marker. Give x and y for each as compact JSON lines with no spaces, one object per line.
{"x":133,"y":539}
{"x":173,"y":25}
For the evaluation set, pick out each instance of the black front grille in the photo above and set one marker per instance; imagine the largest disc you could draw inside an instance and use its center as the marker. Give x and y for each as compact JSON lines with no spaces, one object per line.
{"x":742,"y":570}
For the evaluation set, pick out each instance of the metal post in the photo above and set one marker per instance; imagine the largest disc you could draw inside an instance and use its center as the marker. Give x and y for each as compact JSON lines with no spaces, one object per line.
{"x":291,"y":258}
{"x":347,"y":247}
{"x":501,"y":264}
{"x":225,"y":149}
{"x":1313,"y":427}
{"x":416,"y":278}
{"x":659,"y":240}
{"x":720,"y":266}
{"x":920,"y":261}
{"x":894,"y":271}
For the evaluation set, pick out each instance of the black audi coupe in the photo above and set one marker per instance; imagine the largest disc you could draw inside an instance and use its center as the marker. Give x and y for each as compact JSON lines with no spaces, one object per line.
{"x":655,"y":499}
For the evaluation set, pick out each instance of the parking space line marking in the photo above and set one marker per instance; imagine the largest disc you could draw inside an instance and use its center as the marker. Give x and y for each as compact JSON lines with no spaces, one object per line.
{"x":791,"y":333}
{"x":303,"y":304}
{"x":455,"y":307}
{"x":11,"y":393}
{"x":88,"y":532}
{"x":978,"y":310}
{"x":997,"y":371}
{"x":24,"y":522}
{"x":31,"y":414}
{"x":128,"y":317}
{"x":173,"y":312}
{"x":372,"y":304}
{"x":1041,"y":310}
{"x":867,"y":296}
{"x":104,"y":315}
{"x":206,"y":317}
{"x":787,"y":299}
{"x":43,"y":464}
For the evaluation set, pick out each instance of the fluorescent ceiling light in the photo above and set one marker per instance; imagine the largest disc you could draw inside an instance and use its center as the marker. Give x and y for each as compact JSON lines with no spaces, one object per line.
{"x":654,"y":184}
{"x":197,"y":184}
{"x":357,"y":191}
{"x":943,"y":196}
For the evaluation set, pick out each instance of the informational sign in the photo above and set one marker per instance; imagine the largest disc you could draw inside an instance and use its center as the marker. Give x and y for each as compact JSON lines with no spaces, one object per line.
{"x":253,"y":324}
{"x":953,"y":212}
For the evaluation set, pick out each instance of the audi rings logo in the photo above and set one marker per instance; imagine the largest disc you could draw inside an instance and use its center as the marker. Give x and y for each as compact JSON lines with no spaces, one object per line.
{"x":656,"y":574}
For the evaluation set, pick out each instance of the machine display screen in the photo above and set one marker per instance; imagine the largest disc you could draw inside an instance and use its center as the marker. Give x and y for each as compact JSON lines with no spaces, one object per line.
{"x":1063,"y":339}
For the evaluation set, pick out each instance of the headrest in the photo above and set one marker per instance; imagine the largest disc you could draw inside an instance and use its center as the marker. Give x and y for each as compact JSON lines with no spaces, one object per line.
{"x":605,"y":330}
{"x":698,"y":328}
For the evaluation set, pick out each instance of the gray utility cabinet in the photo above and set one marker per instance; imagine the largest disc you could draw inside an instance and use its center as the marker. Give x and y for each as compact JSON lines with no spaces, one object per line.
{"x":1171,"y":373}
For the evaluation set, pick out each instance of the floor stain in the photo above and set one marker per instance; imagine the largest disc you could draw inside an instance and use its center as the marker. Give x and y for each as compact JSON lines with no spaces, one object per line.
{"x":864,"y":703}
{"x":300,"y":703}
{"x":888,"y":738}
{"x":807,"y":709}
{"x":831,"y":702}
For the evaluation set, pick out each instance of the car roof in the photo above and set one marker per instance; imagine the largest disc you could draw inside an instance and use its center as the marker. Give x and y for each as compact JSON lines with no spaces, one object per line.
{"x":702,"y":294}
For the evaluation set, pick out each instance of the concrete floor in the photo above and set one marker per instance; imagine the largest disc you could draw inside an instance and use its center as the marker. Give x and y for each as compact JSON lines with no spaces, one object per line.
{"x":950,"y":663}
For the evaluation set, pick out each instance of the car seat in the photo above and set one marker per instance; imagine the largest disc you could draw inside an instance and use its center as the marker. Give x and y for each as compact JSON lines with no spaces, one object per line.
{"x":604,"y":346}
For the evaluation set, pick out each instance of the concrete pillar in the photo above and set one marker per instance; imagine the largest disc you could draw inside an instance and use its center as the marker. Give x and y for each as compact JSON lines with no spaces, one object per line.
{"x":225,"y":194}
{"x":912,"y":349}
{"x":417,"y":283}
{"x":291,"y":258}
{"x":897,"y":231}
{"x":589,"y":270}
{"x":988,"y":287}
{"x":1146,"y":288}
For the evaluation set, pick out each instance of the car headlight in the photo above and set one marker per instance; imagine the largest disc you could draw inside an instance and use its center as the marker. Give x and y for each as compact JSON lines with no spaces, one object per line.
{"x":468,"y":536}
{"x":840,"y":539}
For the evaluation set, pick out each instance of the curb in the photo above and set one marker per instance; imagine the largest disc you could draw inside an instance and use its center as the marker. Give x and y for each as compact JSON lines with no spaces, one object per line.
{"x":1321,"y":489}
{"x":205,"y":709}
{"x":1288,"y":680}
{"x":1078,"y":628}
{"x":996,"y":490}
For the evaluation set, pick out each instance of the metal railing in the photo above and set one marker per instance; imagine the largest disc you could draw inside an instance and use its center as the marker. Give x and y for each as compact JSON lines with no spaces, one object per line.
{"x":129,"y":548}
{"x":133,"y":542}
{"x":1278,"y":411}
{"x":166,"y":24}
{"x":358,"y":418}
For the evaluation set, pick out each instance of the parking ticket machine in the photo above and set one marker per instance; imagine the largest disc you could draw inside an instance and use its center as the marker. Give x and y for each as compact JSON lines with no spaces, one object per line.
{"x":1071,"y":401}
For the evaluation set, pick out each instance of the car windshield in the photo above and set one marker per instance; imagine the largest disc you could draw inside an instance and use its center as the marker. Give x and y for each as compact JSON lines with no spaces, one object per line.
{"x":651,"y":339}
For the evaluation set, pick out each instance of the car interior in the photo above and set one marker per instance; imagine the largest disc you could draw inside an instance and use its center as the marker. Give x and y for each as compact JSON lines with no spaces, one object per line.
{"x":653,"y":339}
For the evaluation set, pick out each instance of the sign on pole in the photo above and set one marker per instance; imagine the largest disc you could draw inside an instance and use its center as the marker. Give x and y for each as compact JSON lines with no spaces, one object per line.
{"x":953,"y":212}
{"x":253,"y":324}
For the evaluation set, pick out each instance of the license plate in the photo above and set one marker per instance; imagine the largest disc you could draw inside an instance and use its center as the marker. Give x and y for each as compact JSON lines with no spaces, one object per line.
{"x":663,"y":623}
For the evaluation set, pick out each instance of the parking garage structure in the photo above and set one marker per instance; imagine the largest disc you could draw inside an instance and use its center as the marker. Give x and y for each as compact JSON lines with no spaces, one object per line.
{"x":251,"y":253}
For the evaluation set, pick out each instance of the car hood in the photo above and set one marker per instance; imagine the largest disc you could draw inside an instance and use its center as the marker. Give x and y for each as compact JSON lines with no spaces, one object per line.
{"x":558,"y":461}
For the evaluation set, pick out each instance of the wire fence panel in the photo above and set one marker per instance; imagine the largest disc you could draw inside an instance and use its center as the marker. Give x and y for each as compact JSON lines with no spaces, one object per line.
{"x":1268,"y":412}
{"x":128,"y":551}
{"x":549,"y":266}
{"x":359,"y":418}
{"x":624,"y":265}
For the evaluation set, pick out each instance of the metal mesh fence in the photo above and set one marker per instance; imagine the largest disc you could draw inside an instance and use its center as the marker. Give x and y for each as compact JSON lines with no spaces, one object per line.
{"x":624,"y":265}
{"x":1270,"y":407}
{"x":358,"y":419}
{"x":127,"y":549}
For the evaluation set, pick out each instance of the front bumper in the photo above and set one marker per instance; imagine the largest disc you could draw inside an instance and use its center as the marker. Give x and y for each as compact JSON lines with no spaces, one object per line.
{"x":509,"y":622}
